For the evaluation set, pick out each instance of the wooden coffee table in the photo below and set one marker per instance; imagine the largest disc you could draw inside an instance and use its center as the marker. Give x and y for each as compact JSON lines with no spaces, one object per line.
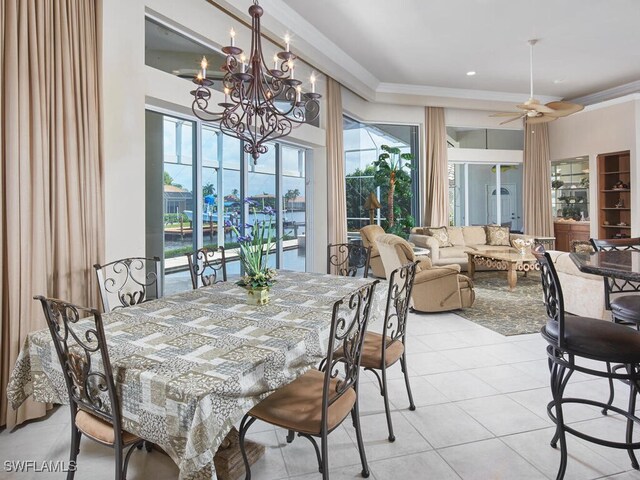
{"x":510,"y":260}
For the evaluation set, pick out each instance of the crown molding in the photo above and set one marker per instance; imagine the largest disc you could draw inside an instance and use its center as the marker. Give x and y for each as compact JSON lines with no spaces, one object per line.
{"x":459,"y":93}
{"x":608,"y":94}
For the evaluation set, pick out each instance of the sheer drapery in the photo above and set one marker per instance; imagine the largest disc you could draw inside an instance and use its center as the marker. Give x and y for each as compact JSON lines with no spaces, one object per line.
{"x":536,"y":179}
{"x":436,"y":186}
{"x":336,"y":186}
{"x":51,"y":173}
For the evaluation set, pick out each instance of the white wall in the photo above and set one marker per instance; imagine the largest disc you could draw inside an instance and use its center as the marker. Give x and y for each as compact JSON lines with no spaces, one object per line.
{"x":124,"y":134}
{"x":602,"y":128}
{"x":129,"y":86}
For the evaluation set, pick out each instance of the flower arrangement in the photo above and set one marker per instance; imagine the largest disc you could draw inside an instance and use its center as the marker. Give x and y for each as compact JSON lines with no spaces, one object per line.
{"x":255,"y":247}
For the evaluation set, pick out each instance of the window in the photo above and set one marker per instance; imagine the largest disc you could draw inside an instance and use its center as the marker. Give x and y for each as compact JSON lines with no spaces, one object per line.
{"x":362,"y":143}
{"x":482,"y":194}
{"x":205,"y":176}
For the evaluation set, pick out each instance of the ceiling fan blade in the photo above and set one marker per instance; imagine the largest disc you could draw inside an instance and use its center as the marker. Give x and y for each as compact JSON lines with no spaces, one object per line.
{"x":506,"y":114}
{"x":540,"y":119}
{"x":562,"y":109}
{"x":538,"y":107}
{"x":513,"y":119}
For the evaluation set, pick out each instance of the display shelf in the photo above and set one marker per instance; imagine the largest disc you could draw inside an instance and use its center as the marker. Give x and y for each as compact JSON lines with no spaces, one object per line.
{"x":614,"y":204}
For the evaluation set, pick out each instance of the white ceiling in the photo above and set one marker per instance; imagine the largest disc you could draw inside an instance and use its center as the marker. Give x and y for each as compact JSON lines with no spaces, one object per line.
{"x":408,"y":47}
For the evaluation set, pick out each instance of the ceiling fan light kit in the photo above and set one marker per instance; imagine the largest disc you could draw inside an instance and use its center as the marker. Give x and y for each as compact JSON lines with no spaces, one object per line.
{"x":533,"y":112}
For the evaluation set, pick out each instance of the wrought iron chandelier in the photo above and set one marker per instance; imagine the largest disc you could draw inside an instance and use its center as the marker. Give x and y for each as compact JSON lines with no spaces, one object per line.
{"x":260,"y":104}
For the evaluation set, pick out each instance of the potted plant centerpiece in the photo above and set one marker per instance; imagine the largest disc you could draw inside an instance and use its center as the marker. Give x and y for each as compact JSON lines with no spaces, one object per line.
{"x":255,"y":246}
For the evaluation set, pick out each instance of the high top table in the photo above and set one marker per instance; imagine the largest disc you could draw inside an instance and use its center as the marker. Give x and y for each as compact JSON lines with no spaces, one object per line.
{"x":624,"y":265}
{"x":190,"y":365}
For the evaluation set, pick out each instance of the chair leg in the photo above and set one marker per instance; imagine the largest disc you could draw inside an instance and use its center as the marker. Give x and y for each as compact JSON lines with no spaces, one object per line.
{"x":385,"y":394}
{"x":128,"y":456}
{"x":611,"y":390}
{"x":290,"y":436}
{"x":405,"y":370}
{"x":74,"y":450}
{"x":244,"y":426}
{"x":119,"y":463}
{"x":630,"y":424}
{"x":557,"y":390}
{"x":355,"y":414}
{"x":325,"y":456}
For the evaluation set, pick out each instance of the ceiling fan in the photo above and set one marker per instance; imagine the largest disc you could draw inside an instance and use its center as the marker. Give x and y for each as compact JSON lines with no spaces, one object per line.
{"x":532,"y":110}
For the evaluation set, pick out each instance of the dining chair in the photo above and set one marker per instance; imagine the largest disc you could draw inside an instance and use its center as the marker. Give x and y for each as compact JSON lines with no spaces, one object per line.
{"x":573,"y":340}
{"x":346,"y":259}
{"x":381,"y":351}
{"x":205,"y":268}
{"x":624,"y":308}
{"x":317,"y":402}
{"x":128,"y":281}
{"x":86,"y":368}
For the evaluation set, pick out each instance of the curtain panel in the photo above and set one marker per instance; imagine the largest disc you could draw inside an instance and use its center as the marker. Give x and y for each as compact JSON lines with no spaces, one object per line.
{"x":51,"y":168}
{"x":436,"y":180}
{"x":336,"y":186}
{"x":536,"y":179}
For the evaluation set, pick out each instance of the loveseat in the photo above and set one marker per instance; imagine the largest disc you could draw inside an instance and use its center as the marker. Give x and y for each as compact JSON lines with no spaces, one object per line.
{"x":461,"y":238}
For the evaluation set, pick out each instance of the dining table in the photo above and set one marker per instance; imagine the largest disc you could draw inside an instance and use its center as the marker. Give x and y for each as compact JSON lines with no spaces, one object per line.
{"x":624,"y":265}
{"x":189,"y":366}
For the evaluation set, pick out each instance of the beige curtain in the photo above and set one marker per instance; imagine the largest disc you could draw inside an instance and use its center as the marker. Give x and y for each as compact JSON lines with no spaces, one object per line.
{"x":51,"y":168}
{"x":436,"y":186}
{"x":536,"y":178}
{"x":336,"y":188}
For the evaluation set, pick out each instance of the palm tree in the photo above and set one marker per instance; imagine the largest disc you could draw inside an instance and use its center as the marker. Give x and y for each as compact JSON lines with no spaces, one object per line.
{"x":389,"y":169}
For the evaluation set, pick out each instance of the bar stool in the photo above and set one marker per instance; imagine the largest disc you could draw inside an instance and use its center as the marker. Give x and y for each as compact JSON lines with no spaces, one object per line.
{"x":570,"y":338}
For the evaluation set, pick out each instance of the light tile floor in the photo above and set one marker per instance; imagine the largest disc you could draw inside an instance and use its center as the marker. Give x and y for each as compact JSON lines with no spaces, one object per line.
{"x":481,"y":414}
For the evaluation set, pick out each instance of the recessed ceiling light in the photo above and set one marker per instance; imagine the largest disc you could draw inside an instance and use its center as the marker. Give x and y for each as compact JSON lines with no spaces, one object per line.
{"x":558,"y":80}
{"x":471,"y":73}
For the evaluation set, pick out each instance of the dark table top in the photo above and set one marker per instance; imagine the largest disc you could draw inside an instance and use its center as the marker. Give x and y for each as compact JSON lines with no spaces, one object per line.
{"x":625,"y":265}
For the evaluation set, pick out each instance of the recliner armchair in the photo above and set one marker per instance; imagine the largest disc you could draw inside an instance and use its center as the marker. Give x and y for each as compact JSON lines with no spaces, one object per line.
{"x":369,"y":234}
{"x":435,"y":289}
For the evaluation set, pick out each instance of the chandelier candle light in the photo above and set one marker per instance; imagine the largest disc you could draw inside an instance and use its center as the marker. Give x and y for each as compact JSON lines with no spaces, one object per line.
{"x":260,"y":104}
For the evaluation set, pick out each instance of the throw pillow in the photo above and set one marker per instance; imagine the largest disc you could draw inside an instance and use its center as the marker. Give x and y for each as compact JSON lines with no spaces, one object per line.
{"x":441,"y":235}
{"x":498,"y":236}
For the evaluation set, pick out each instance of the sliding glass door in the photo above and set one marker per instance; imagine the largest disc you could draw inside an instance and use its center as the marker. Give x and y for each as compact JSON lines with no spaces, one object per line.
{"x":196,"y":183}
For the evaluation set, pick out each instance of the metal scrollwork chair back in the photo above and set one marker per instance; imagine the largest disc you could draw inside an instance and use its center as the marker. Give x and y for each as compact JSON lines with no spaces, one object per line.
{"x":623,"y":308}
{"x":386,"y":349}
{"x":205,"y":268}
{"x":552,"y":292}
{"x":81,"y":347}
{"x":129,"y":281}
{"x":318,"y":401}
{"x":346,"y":259}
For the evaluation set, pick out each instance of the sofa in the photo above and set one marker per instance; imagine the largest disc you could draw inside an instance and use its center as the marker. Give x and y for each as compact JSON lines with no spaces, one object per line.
{"x":583,"y":293}
{"x":435,"y":289}
{"x":369,"y":234}
{"x":460,"y":239}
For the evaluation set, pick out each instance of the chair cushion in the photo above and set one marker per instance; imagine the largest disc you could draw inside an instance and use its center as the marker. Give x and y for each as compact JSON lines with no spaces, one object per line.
{"x":372,"y":351}
{"x":440,"y":234}
{"x":497,"y":235}
{"x":474,"y":235}
{"x":99,"y":430}
{"x":453,"y":252}
{"x":597,"y":339}
{"x":298,"y":405}
{"x":455,"y":236}
{"x":626,"y":307}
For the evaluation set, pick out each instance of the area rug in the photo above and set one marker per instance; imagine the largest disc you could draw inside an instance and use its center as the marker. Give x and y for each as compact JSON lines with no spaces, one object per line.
{"x":509,"y":313}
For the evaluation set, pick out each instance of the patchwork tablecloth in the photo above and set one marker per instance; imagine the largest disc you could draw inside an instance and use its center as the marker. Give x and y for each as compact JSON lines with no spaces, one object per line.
{"x":191,"y":365}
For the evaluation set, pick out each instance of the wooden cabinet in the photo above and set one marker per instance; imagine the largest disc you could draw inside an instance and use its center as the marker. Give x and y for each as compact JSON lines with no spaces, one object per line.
{"x":567,"y":232}
{"x":614,"y":198}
